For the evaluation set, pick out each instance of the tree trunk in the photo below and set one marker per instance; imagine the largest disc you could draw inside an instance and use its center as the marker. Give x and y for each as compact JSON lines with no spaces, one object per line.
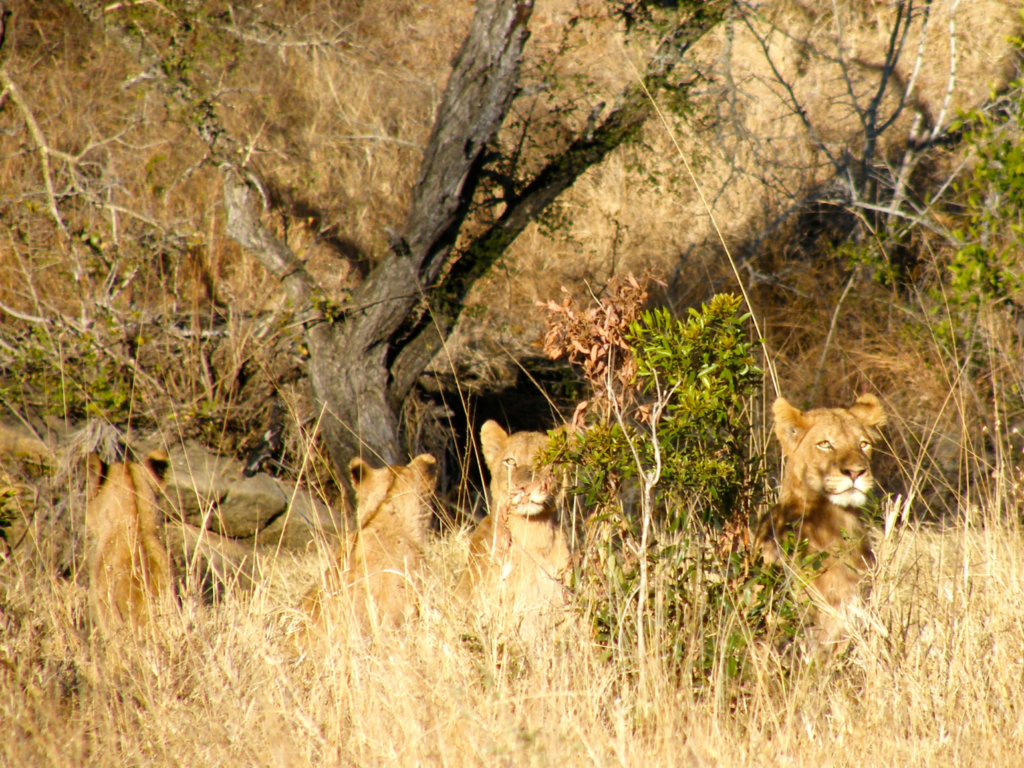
{"x":350,"y":361}
{"x":367,"y":355}
{"x":363,"y":365}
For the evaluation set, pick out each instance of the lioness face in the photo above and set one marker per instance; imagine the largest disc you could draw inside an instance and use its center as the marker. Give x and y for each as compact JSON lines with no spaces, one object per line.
{"x":515,"y":480}
{"x":830,"y":448}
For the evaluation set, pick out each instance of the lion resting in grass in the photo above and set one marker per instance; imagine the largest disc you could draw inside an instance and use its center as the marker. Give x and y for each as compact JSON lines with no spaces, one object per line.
{"x":828,"y":478}
{"x":373,"y":580}
{"x":129,"y":570}
{"x":518,"y":555}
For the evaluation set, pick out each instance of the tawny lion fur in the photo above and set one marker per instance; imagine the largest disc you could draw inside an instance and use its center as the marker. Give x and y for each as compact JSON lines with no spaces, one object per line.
{"x":518,"y":555}
{"x":373,"y":581}
{"x":129,"y":570}
{"x":828,"y":478}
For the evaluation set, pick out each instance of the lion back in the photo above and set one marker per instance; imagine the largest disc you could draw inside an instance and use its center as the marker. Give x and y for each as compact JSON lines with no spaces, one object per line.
{"x":129,"y":570}
{"x":373,"y":580}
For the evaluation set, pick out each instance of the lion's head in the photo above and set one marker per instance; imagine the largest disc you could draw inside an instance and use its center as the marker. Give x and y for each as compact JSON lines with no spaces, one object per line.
{"x":395,"y":497}
{"x":829,"y":449}
{"x":369,"y":580}
{"x":515,"y":480}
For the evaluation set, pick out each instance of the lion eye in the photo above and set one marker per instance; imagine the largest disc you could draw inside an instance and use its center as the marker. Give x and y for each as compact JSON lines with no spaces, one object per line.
{"x":510,"y":462}
{"x":865,"y":445}
{"x":824,"y":445}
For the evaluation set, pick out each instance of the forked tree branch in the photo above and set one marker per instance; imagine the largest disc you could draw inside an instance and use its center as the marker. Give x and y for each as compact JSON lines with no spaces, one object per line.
{"x":42,"y":147}
{"x":620,"y":125}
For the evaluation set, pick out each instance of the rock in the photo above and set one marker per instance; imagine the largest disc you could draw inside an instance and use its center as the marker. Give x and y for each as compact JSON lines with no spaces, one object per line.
{"x":306,"y":520}
{"x":250,"y":504}
{"x":210,"y":492}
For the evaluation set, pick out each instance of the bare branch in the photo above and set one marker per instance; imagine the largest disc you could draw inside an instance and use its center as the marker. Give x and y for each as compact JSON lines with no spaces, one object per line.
{"x":908,"y":164}
{"x":841,"y":61}
{"x":951,"y":83}
{"x":892,"y":58}
{"x":42,"y":147}
{"x":837,"y":163}
{"x":919,"y":59}
{"x":245,"y":228}
{"x":35,"y":319}
{"x":892,"y":54}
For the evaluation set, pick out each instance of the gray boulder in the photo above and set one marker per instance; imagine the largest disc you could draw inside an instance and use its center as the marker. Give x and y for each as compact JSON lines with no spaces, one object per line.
{"x":209,"y":491}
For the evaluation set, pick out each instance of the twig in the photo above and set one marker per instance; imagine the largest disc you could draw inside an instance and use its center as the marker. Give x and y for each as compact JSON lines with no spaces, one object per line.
{"x":919,"y":220}
{"x":951,"y":83}
{"x":837,"y":163}
{"x":892,"y":56}
{"x":912,"y":82}
{"x":249,"y":37}
{"x":907,"y":166}
{"x":41,"y":146}
{"x":23,"y":315}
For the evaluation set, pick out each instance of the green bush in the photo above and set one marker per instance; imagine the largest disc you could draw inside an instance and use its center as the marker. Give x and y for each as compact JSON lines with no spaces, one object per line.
{"x":669,"y":418}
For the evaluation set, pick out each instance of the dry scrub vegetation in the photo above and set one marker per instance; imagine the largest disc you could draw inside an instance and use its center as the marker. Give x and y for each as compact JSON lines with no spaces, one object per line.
{"x":935,"y":678}
{"x":123,"y":302}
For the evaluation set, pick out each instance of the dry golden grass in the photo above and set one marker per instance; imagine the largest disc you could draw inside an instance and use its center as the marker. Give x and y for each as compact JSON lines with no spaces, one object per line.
{"x":934,"y":678}
{"x":936,"y":673}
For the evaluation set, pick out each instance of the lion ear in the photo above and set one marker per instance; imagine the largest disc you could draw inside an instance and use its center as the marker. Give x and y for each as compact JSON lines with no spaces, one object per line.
{"x":371,"y":485}
{"x":789,"y":425}
{"x":493,"y":440}
{"x":425,"y":466}
{"x":97,"y":475}
{"x":360,"y":472}
{"x":868,"y":411}
{"x":157,"y":463}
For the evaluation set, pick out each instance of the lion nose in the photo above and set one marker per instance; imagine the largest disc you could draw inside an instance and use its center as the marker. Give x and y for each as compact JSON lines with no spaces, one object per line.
{"x":854,"y":472}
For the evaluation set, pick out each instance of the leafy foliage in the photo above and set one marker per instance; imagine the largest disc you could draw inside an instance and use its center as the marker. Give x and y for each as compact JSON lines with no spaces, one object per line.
{"x":670,"y":417}
{"x":704,"y":368}
{"x":987,"y":265}
{"x":73,"y":375}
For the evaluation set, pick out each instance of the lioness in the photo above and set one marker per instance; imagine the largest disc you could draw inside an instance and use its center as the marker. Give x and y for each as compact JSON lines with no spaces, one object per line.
{"x":827,"y":480}
{"x":371,"y":580}
{"x":518,"y":554}
{"x":129,"y":571}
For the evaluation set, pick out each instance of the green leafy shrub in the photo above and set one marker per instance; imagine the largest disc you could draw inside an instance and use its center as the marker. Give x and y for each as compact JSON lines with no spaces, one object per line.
{"x":987,"y":263}
{"x":669,"y":418}
{"x":70,"y":374}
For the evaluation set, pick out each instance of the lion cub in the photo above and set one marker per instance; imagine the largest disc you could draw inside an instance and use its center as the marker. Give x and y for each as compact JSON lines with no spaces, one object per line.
{"x":827,"y":480}
{"x":372,"y":580}
{"x":129,"y":571}
{"x":518,"y":555}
